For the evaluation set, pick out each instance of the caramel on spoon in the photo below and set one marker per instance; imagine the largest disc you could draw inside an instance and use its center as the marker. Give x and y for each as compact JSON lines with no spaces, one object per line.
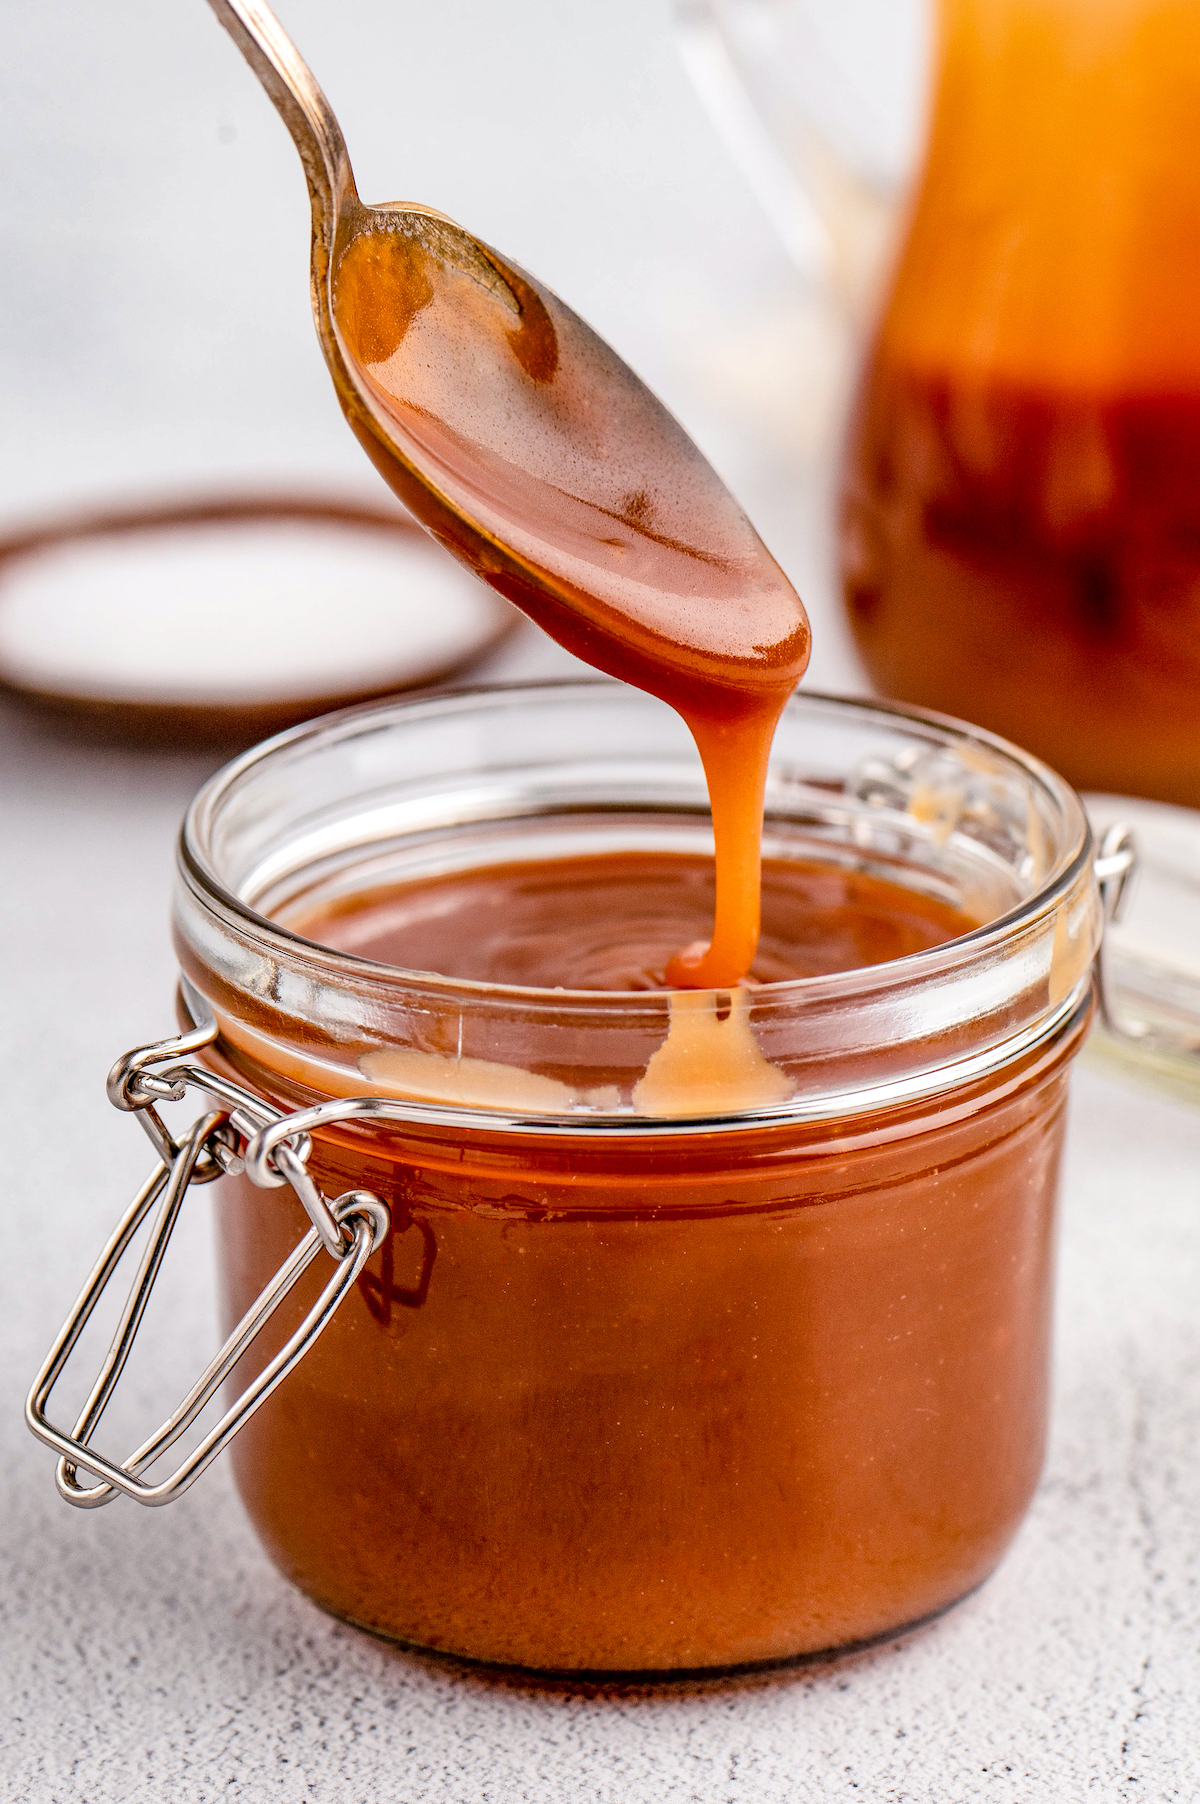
{"x":530,"y":450}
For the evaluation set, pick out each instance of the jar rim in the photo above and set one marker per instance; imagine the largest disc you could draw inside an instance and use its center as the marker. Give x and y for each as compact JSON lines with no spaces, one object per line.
{"x":1060,"y":877}
{"x":1026,"y":1047}
{"x":353,"y":792}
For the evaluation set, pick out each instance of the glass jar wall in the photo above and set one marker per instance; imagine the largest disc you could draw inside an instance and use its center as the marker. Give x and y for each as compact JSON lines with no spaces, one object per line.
{"x":637,"y":1392}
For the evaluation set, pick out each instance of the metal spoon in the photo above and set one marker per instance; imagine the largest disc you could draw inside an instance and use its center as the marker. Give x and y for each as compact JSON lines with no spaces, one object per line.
{"x":522,"y":441}
{"x":526,"y":445}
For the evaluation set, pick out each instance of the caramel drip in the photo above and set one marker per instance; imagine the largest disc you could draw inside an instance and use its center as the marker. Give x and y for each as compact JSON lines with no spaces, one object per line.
{"x":710,"y":1062}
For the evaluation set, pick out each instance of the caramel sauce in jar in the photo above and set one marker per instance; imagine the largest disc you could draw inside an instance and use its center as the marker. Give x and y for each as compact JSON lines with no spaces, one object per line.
{"x":713,"y":1327}
{"x":668,"y":1406}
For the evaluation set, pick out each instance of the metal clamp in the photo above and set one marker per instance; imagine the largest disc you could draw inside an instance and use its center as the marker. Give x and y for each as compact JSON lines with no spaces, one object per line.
{"x":349,"y":1229}
{"x":1114,"y":865}
{"x":1163,"y":1040}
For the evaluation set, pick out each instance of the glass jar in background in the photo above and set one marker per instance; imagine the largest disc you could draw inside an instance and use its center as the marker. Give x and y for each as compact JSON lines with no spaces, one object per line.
{"x":625,"y":1392}
{"x":822,"y":107}
{"x":1020,"y":529}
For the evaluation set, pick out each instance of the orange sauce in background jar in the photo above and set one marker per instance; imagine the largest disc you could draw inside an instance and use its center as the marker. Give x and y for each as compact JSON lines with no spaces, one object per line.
{"x":1021,"y":501}
{"x":631,"y":1388}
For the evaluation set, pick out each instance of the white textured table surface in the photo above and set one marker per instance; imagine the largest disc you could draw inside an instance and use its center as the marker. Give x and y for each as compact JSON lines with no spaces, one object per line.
{"x":157,"y":1656}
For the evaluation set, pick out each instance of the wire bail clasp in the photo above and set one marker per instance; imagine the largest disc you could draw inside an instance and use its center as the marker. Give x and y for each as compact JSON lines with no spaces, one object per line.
{"x":349,"y":1229}
{"x":1115,"y":865}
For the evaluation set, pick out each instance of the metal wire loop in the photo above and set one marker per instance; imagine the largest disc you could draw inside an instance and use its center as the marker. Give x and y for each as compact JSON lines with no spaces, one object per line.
{"x":334,"y":1236}
{"x":350,"y":1229}
{"x":1115,"y":865}
{"x":131,"y":1086}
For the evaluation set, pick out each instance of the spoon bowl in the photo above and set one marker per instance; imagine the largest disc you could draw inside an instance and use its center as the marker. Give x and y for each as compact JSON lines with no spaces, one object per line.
{"x":520,"y":439}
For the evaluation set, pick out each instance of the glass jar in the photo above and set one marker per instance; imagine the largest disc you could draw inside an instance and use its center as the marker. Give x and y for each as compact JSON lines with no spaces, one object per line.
{"x":595,"y":1388}
{"x":1020,"y":524}
{"x":623,"y":1392}
{"x":1020,"y":528}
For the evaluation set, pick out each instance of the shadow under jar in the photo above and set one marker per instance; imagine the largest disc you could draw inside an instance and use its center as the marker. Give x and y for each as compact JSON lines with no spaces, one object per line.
{"x":622,"y":1392}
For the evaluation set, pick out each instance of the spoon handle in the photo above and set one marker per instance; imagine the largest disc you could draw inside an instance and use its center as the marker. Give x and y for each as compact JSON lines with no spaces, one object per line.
{"x":293,"y":88}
